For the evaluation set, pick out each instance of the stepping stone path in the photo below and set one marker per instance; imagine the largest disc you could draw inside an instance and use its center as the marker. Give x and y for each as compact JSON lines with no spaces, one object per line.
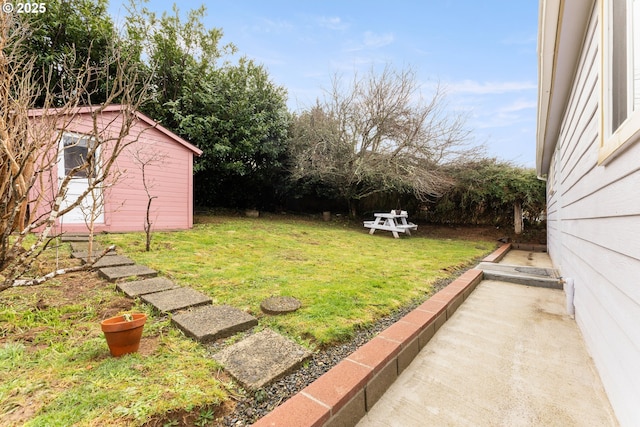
{"x":94,"y":254}
{"x":125,"y":271}
{"x":261,"y":358}
{"x":146,"y":286}
{"x":77,"y":246}
{"x":74,"y":238}
{"x":176,"y":299}
{"x":254,"y":361}
{"x":279,"y":305}
{"x":211,"y":322}
{"x":110,"y":261}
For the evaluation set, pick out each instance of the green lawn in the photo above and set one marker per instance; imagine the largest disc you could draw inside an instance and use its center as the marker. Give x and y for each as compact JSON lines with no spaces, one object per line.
{"x":55,"y":368}
{"x":343,"y":276}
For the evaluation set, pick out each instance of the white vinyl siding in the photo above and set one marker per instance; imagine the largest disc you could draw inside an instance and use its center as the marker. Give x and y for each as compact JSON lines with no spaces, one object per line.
{"x":593,"y":229}
{"x":621,"y":76}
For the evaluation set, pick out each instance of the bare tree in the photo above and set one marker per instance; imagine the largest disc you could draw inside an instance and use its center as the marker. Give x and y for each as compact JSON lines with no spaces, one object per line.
{"x":146,"y":157}
{"x":379,"y":135}
{"x":29,"y":146}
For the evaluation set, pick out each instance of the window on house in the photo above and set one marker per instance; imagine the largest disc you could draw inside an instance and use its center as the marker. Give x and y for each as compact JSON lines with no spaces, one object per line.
{"x":621,"y":78}
{"x":76,"y":149}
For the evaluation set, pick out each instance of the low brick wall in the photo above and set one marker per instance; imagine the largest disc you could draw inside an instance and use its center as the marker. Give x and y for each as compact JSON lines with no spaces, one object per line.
{"x":498,"y":254}
{"x":344,"y":394}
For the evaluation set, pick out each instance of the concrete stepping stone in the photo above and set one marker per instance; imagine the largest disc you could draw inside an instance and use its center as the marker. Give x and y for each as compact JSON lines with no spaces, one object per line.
{"x":96,"y":253}
{"x":176,"y":299}
{"x":146,"y":286}
{"x":124,"y":271}
{"x":74,"y":238}
{"x":280,"y":305}
{"x":84,"y":246}
{"x":213,"y":322}
{"x":111,"y":261}
{"x":261,"y":358}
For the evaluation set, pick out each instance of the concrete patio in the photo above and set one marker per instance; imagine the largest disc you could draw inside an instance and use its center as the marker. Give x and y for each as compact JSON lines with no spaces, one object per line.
{"x":509,"y":356}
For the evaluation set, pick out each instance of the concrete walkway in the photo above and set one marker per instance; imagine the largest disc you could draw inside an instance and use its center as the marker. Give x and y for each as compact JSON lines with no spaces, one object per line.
{"x":509,"y":356}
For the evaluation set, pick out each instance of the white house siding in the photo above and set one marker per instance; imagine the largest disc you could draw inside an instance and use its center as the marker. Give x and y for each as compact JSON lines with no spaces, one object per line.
{"x":594,"y":235}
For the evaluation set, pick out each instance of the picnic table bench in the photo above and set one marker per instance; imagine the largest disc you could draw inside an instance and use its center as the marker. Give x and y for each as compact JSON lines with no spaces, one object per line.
{"x":391,"y":221}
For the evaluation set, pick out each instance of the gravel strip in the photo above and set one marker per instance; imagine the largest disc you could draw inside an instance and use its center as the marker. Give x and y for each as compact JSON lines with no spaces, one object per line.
{"x":252,"y":406}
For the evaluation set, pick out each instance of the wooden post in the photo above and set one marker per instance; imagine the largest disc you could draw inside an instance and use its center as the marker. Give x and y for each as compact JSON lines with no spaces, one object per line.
{"x":518,"y":222}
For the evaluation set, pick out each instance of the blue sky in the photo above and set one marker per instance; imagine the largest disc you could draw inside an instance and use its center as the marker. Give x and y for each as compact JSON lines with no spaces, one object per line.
{"x":482,"y":52}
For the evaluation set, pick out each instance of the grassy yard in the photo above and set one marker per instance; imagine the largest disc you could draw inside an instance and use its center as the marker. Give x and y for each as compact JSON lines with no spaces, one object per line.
{"x":55,"y":368}
{"x":343,"y":276}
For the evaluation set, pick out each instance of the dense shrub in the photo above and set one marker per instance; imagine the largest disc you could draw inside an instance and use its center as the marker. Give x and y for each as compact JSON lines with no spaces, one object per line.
{"x":485,"y":193}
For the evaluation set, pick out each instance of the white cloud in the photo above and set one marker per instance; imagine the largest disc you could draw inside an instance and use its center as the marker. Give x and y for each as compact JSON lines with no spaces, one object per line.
{"x":271,"y":26}
{"x":519,"y":105}
{"x":374,"y":41}
{"x":487,"y":88}
{"x":369,"y":41}
{"x":332,"y":23}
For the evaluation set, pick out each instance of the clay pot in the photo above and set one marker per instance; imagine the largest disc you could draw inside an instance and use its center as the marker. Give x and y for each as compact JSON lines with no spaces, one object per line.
{"x":123,"y":337}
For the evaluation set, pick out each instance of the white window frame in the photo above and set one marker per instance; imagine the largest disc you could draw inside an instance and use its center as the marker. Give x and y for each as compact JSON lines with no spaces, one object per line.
{"x":614,"y":141}
{"x":90,"y":142}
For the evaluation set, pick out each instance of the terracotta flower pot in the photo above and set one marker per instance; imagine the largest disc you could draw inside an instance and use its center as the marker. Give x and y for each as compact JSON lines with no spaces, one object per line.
{"x":123,"y":336}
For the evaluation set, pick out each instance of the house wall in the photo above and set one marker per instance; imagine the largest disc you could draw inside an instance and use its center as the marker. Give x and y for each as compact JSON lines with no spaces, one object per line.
{"x":593,"y":229}
{"x":169,"y":177}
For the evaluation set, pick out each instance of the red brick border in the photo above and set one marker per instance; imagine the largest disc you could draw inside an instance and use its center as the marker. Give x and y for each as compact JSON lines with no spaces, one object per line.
{"x":347,"y":391}
{"x":498,"y":254}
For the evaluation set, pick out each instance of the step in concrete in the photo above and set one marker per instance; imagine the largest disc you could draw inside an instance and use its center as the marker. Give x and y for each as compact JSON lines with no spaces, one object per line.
{"x":261,"y":358}
{"x":176,"y":299}
{"x":95,"y":253}
{"x":84,"y":246}
{"x":522,"y":275}
{"x":125,"y":271}
{"x":146,"y":286}
{"x":111,"y":261}
{"x":213,"y":322}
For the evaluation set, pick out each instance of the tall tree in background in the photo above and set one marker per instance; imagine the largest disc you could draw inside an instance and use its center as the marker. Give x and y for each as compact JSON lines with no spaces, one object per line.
{"x":71,"y":35}
{"x":379,"y":135}
{"x":232,"y":111}
{"x":180,"y":56}
{"x":241,"y":125}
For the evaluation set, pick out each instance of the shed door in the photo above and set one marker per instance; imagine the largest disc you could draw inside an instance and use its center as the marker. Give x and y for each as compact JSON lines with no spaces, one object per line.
{"x":73,"y":153}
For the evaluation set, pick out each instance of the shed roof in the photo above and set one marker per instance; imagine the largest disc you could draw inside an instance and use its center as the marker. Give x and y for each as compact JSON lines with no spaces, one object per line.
{"x":117,"y":107}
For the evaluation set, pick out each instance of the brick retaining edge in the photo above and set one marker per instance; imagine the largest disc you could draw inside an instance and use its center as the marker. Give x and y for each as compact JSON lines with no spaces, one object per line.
{"x":344,"y":394}
{"x":498,"y":254}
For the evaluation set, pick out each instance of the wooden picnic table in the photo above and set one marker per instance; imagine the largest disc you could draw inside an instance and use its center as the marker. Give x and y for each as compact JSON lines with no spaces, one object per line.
{"x":391,"y":221}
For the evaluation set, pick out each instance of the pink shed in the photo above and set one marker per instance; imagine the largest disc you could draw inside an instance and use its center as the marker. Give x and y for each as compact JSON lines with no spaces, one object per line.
{"x":168,"y":172}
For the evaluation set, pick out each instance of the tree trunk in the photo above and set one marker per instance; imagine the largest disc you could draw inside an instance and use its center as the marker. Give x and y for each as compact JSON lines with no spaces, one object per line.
{"x":518,"y":222}
{"x":353,"y":209}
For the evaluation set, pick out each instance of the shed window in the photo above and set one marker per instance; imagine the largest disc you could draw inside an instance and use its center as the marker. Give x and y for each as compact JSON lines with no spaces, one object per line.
{"x":76,"y":149}
{"x":621,"y":78}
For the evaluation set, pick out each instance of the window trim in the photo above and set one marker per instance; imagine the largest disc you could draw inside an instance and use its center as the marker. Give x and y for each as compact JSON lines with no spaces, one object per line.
{"x":90,"y":140}
{"x":628,"y":133}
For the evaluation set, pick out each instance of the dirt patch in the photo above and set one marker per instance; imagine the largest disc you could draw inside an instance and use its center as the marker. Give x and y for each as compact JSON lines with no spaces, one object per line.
{"x":148,"y":345}
{"x":197,"y":416}
{"x":115,"y":307}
